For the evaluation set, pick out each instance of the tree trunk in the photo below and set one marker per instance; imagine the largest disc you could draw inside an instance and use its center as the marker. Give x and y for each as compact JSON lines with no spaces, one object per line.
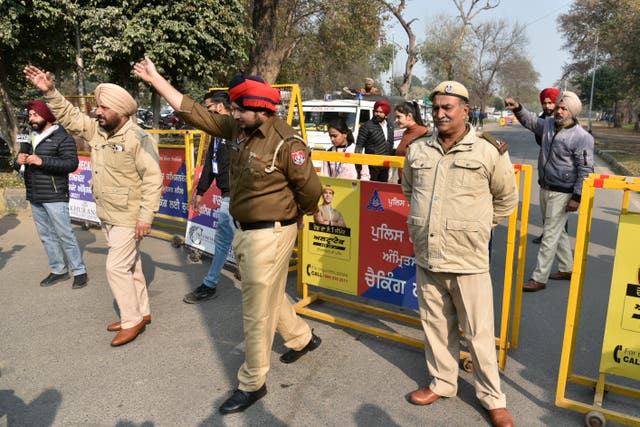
{"x":265,"y":59}
{"x":8,"y":129}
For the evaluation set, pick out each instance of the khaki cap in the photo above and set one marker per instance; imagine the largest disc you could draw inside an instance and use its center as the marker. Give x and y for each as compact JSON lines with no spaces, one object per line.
{"x":452,"y":88}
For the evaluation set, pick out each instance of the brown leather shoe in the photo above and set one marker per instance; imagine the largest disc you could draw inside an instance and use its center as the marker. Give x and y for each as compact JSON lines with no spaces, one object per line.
{"x":116,"y":326}
{"x":500,"y":417}
{"x":128,"y":334}
{"x":533,"y":286}
{"x":424,"y":396}
{"x":560,"y":275}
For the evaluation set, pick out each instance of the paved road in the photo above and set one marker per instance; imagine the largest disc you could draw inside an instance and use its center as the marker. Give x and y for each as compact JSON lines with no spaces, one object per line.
{"x":57,"y":368}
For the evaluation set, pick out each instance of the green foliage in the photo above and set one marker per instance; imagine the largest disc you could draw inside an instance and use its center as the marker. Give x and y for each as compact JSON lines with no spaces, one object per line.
{"x":200,"y":40}
{"x":608,"y":87}
{"x":34,"y":31}
{"x":339,"y":47}
{"x":616,"y":26}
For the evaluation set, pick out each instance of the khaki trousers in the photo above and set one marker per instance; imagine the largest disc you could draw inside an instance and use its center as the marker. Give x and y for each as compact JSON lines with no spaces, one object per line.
{"x":263,"y":259}
{"x":555,"y":240}
{"x":124,"y":273}
{"x":449,"y":301}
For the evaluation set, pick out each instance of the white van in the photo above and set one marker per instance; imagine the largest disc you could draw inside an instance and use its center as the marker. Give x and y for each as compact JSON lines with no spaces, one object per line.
{"x":319,"y":113}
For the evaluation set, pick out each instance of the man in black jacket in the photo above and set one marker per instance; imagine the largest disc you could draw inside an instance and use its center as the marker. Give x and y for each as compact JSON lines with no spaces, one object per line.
{"x":216,"y":166}
{"x":51,"y":158}
{"x":376,"y":137}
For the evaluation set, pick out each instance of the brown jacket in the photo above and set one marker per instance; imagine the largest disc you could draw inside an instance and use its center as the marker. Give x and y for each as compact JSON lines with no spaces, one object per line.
{"x":263,"y":188}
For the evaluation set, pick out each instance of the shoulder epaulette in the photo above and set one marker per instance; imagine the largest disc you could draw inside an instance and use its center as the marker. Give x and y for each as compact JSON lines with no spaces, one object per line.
{"x":500,"y":145}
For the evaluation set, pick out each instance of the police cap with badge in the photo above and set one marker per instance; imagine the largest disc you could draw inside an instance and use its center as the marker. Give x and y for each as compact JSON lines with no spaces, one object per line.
{"x":453,"y":88}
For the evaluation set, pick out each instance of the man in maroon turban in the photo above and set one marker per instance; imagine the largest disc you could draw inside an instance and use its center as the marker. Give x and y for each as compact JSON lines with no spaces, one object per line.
{"x":376,"y":137}
{"x":45,"y":164}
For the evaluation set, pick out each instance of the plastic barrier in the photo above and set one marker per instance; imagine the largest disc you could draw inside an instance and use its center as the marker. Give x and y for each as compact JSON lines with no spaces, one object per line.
{"x":381,"y":265}
{"x":621,"y":346}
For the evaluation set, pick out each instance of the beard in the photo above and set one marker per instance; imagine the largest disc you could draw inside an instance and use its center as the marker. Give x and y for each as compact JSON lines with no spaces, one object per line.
{"x":38,"y":125}
{"x":562,"y":122}
{"x":378,"y":119}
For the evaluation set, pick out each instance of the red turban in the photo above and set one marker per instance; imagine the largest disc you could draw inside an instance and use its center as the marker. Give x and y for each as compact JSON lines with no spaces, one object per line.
{"x":251,"y":93}
{"x":41,"y":109}
{"x":384,"y":106}
{"x":551,"y":93}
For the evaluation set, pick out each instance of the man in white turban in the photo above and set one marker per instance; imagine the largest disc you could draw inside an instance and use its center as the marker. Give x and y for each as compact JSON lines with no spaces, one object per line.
{"x":565,"y":159}
{"x":126,"y":185}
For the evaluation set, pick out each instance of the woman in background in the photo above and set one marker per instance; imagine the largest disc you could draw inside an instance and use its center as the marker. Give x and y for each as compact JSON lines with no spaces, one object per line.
{"x":343,"y":142}
{"x":408,"y":118}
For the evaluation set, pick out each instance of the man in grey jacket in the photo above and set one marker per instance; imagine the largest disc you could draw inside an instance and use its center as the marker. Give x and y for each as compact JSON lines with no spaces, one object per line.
{"x":565,"y":159}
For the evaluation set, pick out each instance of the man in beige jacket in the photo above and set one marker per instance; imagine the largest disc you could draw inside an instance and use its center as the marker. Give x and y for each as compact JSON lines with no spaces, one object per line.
{"x":458,"y":186}
{"x":126,"y":186}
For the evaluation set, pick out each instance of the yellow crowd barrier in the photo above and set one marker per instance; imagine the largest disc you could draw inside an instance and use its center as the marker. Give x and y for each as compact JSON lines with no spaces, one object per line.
{"x":515,"y":250}
{"x":595,"y":413}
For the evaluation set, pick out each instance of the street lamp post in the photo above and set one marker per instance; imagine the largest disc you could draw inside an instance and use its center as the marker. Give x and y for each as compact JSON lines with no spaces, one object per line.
{"x":593,"y":80}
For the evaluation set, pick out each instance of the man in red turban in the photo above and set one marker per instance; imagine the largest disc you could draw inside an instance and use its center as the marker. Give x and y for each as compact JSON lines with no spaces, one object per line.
{"x":548,"y":97}
{"x":273,"y":185}
{"x":376,"y":137}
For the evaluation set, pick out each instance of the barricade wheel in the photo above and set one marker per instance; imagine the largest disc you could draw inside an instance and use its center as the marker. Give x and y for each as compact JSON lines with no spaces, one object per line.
{"x":85,"y":226}
{"x":467,"y":364}
{"x":176,"y":242}
{"x":595,"y":419}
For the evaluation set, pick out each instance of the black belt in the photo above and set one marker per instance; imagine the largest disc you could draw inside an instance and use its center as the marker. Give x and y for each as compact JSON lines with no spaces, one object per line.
{"x":244,"y":226}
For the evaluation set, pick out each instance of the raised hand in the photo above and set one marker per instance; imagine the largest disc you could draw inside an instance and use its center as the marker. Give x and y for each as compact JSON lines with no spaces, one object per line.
{"x":41,"y":79}
{"x":146,"y":70}
{"x":510,"y":104}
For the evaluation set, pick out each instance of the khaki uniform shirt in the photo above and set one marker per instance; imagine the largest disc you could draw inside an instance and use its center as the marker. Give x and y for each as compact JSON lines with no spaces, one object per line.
{"x":126,"y":179}
{"x":455,"y":198}
{"x":272,"y":177}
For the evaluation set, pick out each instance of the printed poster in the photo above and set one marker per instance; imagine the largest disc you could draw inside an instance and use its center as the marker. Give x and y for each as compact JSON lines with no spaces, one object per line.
{"x":371,"y":255}
{"x":82,"y":206}
{"x":173,"y":201}
{"x":331,"y":239}
{"x":621,"y":344}
{"x":202,"y":224}
{"x":386,"y":269}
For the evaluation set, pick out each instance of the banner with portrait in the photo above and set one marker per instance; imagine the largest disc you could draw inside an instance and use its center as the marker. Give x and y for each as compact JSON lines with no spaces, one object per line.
{"x":364,"y":248}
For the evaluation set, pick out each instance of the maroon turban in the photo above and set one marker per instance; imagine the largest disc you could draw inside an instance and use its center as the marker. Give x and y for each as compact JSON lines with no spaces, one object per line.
{"x":551,"y":93}
{"x":253,"y":93}
{"x":384,"y":106}
{"x":41,"y":109}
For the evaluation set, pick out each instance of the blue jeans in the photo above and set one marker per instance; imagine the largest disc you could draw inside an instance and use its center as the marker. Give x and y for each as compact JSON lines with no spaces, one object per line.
{"x":54,"y":227}
{"x":222,"y":243}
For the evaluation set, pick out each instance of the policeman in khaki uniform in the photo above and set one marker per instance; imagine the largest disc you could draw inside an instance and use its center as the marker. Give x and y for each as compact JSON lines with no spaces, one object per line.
{"x":126,"y":186}
{"x":273,"y":184}
{"x":459,"y":186}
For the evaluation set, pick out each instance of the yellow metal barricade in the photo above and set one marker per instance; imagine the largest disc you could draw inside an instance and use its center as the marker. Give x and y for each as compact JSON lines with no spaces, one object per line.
{"x":520,"y":214}
{"x":596,"y":414}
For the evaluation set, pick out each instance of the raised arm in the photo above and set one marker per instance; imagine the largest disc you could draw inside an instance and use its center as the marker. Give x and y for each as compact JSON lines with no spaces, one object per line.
{"x":147,"y":71}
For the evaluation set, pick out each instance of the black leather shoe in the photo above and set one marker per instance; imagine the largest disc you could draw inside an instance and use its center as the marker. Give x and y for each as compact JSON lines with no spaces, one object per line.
{"x":80,"y":281}
{"x":199,"y":294}
{"x":241,"y":400}
{"x":537,"y":240}
{"x":293,"y":355}
{"x":53,"y":278}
